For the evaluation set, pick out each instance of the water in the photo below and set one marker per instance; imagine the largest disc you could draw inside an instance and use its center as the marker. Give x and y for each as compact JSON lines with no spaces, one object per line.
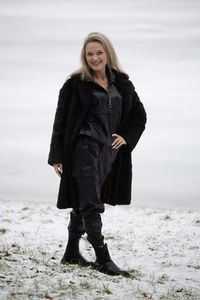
{"x":157,"y":44}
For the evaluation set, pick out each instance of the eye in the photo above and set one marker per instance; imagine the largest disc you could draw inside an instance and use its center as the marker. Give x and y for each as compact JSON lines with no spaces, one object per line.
{"x":100,"y":52}
{"x":89,"y":54}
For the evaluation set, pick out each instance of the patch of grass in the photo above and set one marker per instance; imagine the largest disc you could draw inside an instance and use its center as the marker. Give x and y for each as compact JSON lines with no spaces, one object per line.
{"x":42,"y":251}
{"x":135,"y":274}
{"x":106,"y":289}
{"x":164,"y":277}
{"x":63,"y":285}
{"x":190,"y":292}
{"x":6,"y":221}
{"x":81,"y":275}
{"x":110,"y":237}
{"x":195,"y":266}
{"x":96,"y":275}
{"x":35,"y":260}
{"x":25,"y":208}
{"x":24,"y":217}
{"x":84,"y":284}
{"x":17,"y":249}
{"x":3,"y":230}
{"x":167,"y":217}
{"x":179,"y":292}
{"x":143,"y":294}
{"x":197,"y":222}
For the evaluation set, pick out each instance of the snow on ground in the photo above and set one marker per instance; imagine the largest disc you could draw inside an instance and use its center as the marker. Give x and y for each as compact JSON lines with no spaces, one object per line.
{"x":160,"y":248}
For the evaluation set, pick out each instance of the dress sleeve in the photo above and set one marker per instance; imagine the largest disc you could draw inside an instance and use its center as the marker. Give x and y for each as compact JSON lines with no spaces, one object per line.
{"x":135,"y":123}
{"x":56,"y":153}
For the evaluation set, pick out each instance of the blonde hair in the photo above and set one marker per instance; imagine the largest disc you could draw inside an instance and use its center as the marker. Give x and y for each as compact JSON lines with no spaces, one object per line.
{"x":112,"y":60}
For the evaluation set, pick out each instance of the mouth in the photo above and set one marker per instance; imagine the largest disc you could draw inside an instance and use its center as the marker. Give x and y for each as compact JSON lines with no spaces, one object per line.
{"x":96,"y":63}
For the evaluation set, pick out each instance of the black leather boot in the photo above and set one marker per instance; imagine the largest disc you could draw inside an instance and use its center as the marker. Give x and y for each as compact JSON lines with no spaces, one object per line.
{"x":105,"y":264}
{"x":72,"y":254}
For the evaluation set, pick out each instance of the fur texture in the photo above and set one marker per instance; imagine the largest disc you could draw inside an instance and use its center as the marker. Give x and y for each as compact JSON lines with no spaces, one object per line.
{"x":73,"y":103}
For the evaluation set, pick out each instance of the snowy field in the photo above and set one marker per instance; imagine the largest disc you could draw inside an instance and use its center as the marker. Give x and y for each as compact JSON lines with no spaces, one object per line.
{"x":160,"y":248}
{"x":157,"y":238}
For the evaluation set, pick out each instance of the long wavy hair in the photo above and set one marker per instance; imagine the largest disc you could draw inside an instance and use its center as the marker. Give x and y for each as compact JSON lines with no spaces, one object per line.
{"x":112,"y":60}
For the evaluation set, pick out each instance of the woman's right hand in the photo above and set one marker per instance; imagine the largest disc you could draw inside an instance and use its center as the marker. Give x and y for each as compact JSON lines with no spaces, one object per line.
{"x":58,"y":167}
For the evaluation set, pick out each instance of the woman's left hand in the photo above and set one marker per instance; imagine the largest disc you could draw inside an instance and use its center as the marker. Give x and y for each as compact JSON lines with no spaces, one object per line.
{"x":118,"y":142}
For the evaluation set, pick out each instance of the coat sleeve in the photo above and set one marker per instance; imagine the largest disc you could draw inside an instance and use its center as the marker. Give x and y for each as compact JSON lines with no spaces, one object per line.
{"x":135,"y":122}
{"x":56,"y":152}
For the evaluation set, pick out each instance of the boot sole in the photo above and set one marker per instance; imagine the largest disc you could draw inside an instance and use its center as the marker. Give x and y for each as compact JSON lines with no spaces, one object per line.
{"x":104,"y":270}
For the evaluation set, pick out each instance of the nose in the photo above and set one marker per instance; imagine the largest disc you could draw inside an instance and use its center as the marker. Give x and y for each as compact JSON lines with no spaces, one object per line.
{"x":95,"y":57}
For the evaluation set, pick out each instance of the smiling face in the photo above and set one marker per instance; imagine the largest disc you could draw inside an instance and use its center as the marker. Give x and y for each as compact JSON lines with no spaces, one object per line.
{"x":95,"y":56}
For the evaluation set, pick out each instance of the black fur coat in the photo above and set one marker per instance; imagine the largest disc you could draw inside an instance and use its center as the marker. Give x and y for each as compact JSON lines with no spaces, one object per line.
{"x":73,"y":103}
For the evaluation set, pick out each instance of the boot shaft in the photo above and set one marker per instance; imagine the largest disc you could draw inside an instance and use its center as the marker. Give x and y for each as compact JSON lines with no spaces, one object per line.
{"x":102,"y":254}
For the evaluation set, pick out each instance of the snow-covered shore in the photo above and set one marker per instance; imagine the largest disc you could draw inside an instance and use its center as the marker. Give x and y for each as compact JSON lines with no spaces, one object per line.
{"x":159,"y":247}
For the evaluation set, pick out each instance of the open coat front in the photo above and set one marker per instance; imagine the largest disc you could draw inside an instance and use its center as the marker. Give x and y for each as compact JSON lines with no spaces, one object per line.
{"x":73,"y":104}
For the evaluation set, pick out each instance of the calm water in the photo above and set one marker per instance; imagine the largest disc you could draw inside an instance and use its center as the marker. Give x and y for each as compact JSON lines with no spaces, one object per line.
{"x":157,"y":43}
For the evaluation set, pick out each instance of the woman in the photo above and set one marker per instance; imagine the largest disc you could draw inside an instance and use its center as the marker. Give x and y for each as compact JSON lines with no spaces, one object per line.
{"x":98,"y":122}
